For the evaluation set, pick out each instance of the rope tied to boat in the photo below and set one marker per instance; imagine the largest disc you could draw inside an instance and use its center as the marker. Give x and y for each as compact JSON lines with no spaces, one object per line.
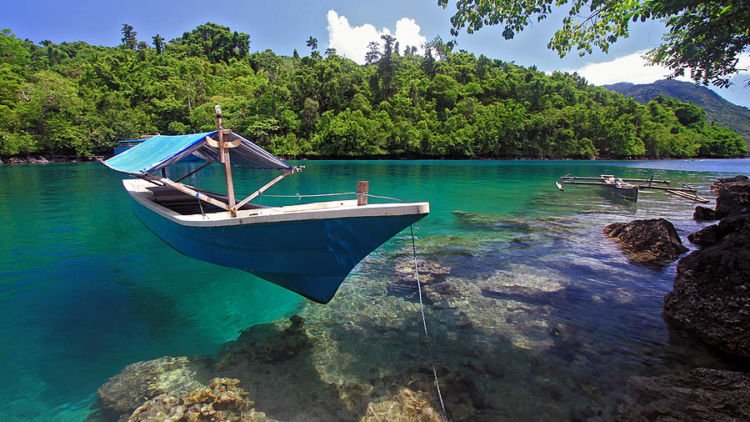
{"x":424,"y":325}
{"x":314,"y":195}
{"x":317,"y":195}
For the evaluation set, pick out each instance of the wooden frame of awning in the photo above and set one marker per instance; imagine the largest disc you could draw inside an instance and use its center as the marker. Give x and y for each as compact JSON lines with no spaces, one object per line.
{"x":223,"y":146}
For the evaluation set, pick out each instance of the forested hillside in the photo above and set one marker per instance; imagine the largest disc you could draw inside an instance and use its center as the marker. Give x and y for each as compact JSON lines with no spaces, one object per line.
{"x":75,"y":98}
{"x":717,"y":109}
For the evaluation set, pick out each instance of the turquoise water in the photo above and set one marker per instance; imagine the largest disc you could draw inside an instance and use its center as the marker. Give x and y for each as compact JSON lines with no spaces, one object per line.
{"x":85,"y":289}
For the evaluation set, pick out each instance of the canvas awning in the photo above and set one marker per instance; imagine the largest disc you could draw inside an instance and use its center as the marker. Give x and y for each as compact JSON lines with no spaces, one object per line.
{"x":161,"y":151}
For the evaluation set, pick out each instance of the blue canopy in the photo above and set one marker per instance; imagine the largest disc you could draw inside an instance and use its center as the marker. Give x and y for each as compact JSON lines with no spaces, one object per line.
{"x":160,"y":151}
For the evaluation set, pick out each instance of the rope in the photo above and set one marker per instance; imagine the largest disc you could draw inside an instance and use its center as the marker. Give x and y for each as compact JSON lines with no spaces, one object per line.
{"x":383,"y":197}
{"x":424,"y":324}
{"x":298,"y":196}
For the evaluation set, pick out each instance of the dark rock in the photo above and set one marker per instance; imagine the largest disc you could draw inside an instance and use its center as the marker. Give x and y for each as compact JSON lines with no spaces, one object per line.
{"x":734,"y":198}
{"x":718,"y":183}
{"x":711,"y":235}
{"x":269,"y":343}
{"x":647,"y":241}
{"x":699,"y":395}
{"x":704,"y":214}
{"x":711,"y":294}
{"x":706,"y":236}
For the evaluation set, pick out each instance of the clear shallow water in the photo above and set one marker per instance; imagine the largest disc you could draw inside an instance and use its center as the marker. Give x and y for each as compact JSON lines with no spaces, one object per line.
{"x":85,"y":289}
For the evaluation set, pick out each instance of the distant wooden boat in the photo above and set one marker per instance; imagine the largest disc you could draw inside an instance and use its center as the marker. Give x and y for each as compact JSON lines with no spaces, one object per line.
{"x":308,"y":248}
{"x":628,"y":188}
{"x":126,"y":144}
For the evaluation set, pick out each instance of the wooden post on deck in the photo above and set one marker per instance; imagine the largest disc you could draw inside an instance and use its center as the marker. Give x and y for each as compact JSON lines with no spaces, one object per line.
{"x":224,"y":158}
{"x":363,"y":188}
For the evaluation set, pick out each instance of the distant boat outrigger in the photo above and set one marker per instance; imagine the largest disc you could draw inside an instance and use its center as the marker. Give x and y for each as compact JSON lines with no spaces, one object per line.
{"x":308,"y":248}
{"x":629,"y":188}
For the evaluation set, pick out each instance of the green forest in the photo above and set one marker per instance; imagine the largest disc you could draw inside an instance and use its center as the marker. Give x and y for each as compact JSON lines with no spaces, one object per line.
{"x":78,"y":99}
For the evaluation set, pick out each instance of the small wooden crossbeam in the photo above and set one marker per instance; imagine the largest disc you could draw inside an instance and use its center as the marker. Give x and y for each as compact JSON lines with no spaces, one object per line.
{"x":227,"y":144}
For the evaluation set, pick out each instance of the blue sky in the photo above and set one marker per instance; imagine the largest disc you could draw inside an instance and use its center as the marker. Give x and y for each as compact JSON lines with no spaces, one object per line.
{"x":284,"y":25}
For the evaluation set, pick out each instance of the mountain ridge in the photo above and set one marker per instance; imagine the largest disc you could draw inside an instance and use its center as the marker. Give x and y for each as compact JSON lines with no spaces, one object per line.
{"x":717,"y":108}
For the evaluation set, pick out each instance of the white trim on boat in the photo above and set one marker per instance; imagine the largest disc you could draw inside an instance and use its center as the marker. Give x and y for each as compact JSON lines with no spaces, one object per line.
{"x":137,"y":189}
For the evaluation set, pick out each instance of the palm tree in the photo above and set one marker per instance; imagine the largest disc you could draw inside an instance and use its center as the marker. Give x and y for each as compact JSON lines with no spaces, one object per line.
{"x":312,"y":42}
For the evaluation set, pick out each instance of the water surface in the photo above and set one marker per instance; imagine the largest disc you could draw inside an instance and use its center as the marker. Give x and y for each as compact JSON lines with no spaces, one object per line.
{"x":85,"y":289}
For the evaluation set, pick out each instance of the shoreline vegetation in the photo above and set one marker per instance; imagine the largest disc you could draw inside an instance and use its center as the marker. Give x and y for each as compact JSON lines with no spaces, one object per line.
{"x":41,"y":159}
{"x":77,"y":99}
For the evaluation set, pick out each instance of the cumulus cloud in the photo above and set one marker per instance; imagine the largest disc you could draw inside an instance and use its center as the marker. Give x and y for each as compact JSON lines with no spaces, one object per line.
{"x":631,"y":68}
{"x":351,"y":41}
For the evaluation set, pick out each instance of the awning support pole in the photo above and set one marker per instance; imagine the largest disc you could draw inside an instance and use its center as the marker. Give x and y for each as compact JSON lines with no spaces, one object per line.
{"x":224,"y":158}
{"x":195,"y":194}
{"x":208,"y":163}
{"x":263,"y":189}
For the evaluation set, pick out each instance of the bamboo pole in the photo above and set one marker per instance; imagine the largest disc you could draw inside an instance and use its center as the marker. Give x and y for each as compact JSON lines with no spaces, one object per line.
{"x":203,"y":197}
{"x":208,"y":163}
{"x":224,"y":158}
{"x":262,"y":189}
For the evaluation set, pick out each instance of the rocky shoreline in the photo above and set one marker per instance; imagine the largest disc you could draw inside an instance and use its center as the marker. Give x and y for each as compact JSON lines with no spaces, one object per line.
{"x":40,"y":159}
{"x":710,"y":299}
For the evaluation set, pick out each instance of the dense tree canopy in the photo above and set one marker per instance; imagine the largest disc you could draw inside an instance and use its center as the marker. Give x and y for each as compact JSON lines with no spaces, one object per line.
{"x":75,"y":98}
{"x":704,"y":38}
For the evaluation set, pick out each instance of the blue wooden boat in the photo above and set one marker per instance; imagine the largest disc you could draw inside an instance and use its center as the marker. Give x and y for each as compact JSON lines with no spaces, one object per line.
{"x":126,"y":144}
{"x":307,"y":248}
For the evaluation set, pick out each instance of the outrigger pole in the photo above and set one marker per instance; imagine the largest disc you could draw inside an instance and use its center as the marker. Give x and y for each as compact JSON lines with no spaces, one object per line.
{"x":687,"y":192}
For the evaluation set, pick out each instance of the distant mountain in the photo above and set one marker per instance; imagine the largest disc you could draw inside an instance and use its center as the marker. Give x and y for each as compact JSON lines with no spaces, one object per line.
{"x":717,"y":109}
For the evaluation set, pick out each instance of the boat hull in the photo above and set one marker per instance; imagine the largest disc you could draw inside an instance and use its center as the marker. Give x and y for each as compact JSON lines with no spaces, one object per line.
{"x":311,"y":257}
{"x":626,"y":193}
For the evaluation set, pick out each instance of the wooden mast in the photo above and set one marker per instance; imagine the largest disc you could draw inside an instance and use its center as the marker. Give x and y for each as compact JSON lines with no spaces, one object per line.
{"x":224,"y":158}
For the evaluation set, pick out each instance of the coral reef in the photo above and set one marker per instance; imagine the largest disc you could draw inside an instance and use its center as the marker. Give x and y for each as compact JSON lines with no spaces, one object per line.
{"x":142,"y":381}
{"x":222,"y":400}
{"x":406,"y":406}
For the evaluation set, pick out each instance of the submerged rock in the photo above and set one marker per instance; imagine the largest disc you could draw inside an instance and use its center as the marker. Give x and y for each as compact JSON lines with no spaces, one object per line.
{"x":647,"y":241}
{"x":711,"y":294}
{"x":141,"y":381}
{"x":702,"y":394}
{"x":428,"y":270}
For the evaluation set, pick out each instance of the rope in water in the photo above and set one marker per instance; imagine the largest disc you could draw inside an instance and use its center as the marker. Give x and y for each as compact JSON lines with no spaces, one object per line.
{"x":424,"y":324}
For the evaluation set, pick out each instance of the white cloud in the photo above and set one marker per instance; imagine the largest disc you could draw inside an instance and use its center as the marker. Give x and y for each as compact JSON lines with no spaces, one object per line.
{"x":631,"y":68}
{"x":351,"y":41}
